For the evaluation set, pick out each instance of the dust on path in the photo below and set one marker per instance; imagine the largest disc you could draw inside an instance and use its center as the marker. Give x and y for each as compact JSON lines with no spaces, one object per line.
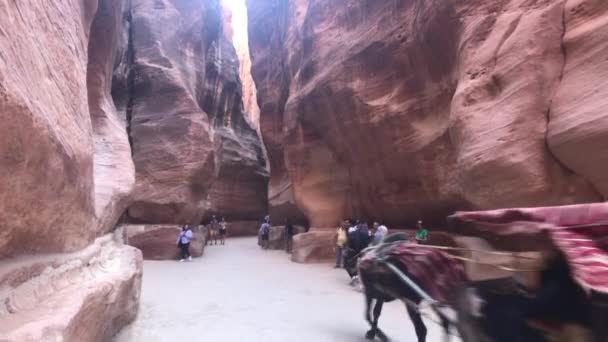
{"x":238,"y":292}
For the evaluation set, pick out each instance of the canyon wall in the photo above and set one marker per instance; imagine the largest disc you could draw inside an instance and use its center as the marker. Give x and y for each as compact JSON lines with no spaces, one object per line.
{"x":398,"y":110}
{"x":194,"y":151}
{"x":65,"y":175}
{"x":111,"y":107}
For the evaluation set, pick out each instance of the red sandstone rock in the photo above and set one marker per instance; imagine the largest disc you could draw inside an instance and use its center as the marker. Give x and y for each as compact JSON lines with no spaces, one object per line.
{"x":243,"y":228}
{"x":578,"y":120}
{"x":314,"y":246}
{"x":401,"y":109}
{"x":46,"y":138}
{"x":83,"y":296}
{"x":113,"y":168}
{"x":194,"y":152}
{"x":158,"y":242}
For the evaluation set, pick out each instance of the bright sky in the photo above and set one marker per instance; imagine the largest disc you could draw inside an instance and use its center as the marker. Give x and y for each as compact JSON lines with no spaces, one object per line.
{"x":239,"y":19}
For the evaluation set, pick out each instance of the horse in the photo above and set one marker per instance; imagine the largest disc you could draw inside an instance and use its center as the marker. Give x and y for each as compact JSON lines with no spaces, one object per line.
{"x":487,"y":311}
{"x":394,"y":280}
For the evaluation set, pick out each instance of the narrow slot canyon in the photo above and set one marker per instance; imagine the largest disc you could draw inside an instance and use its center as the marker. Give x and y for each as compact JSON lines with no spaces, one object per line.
{"x":287,"y":126}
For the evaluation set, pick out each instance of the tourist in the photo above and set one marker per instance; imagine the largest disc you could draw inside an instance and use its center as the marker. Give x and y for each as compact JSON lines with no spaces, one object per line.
{"x":289,"y":233}
{"x":213,"y":230}
{"x":421,"y":233}
{"x":223,"y":226}
{"x":380,"y":231}
{"x":183,"y":242}
{"x":358,"y":239}
{"x":341,"y":240}
{"x":265,"y":234}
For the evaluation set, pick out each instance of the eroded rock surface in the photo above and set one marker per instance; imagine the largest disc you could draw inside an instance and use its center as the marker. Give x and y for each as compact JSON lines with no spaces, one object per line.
{"x":85,"y":296}
{"x":314,"y":246}
{"x":401,"y":109}
{"x":46,"y":139}
{"x":193,"y":149}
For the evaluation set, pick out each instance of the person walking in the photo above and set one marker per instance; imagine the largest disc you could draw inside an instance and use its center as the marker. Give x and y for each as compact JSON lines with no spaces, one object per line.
{"x":214,"y":230}
{"x":289,"y":233}
{"x":380,"y":231}
{"x":341,"y":239}
{"x":223,"y":227}
{"x":183,"y":242}
{"x":265,"y":234}
{"x":421,"y":233}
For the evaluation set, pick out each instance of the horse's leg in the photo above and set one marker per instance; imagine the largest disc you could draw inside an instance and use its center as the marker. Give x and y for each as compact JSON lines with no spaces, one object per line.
{"x":370,"y":334}
{"x":377,"y":312}
{"x":445,"y":323}
{"x":418,"y":323}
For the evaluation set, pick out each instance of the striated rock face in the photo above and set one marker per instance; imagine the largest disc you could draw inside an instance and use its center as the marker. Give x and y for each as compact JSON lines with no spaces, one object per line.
{"x":578,"y":121}
{"x":65,"y":173}
{"x":113,"y":168}
{"x":400,"y":109}
{"x":46,"y":139}
{"x":314,"y":246}
{"x":193,"y":149}
{"x":85,"y":296}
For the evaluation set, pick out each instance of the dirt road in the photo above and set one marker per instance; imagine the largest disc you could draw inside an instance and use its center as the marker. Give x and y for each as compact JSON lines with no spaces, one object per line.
{"x":240,"y":293}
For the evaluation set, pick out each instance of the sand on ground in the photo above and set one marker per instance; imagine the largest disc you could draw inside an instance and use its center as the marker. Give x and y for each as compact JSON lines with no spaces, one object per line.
{"x":238,"y":292}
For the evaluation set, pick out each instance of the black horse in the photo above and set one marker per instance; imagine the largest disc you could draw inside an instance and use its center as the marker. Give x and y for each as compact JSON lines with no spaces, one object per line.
{"x":383,"y":287}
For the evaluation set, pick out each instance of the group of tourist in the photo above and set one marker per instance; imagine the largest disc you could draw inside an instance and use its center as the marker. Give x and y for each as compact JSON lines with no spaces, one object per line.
{"x":216,"y":230}
{"x":353,"y":236}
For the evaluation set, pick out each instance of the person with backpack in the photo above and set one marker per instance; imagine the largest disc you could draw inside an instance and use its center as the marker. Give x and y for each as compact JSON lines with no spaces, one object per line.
{"x":380,"y":231}
{"x":265,"y":234}
{"x":183,"y":243}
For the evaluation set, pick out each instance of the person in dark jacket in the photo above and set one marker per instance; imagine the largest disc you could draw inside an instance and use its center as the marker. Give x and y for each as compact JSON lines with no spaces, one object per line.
{"x":289,"y":233}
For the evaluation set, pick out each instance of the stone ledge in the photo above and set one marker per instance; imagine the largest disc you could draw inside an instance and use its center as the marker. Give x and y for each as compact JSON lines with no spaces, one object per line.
{"x":83,"y":296}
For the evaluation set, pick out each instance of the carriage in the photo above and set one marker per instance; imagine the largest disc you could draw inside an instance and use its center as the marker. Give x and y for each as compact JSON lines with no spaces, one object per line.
{"x":503,"y":253}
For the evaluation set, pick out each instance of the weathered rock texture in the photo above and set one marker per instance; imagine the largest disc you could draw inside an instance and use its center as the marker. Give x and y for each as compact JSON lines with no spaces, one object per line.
{"x":159,"y":242}
{"x":113,"y":168}
{"x":314,"y":246}
{"x":404,"y":109}
{"x":85,"y":296}
{"x":46,"y":140}
{"x":193,"y":149}
{"x":65,"y":173}
{"x":243,"y":228}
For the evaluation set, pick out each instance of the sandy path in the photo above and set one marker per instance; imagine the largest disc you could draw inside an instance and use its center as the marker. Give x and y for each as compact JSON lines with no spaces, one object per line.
{"x":240,"y":293}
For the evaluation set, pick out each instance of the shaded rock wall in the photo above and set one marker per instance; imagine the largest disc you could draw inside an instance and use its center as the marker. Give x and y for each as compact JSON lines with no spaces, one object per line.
{"x":193,"y":149}
{"x":405,"y":109}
